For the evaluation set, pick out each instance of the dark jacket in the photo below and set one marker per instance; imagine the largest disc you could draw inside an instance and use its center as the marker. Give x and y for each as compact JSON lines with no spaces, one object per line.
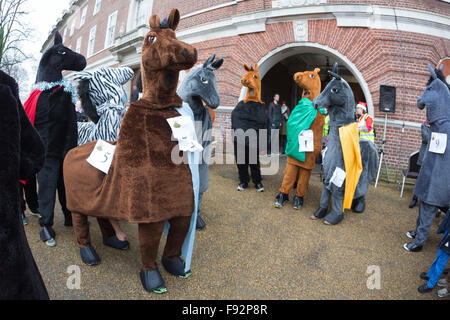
{"x":274,"y":116}
{"x":21,"y":156}
{"x":250,"y":115}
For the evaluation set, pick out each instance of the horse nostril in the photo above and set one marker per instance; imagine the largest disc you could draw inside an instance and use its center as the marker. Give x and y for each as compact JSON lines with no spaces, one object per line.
{"x":184,"y":53}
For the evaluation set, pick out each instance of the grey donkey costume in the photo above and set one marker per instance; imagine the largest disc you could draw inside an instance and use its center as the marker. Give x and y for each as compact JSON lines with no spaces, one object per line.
{"x":103,"y":100}
{"x":433,"y":185}
{"x":200,"y":86}
{"x":338,"y":98}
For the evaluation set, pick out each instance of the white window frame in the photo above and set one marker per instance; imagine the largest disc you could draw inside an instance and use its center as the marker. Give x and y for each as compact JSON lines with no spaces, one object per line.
{"x":78,"y":46}
{"x":91,"y":42}
{"x":83,"y":16}
{"x":140,"y":14}
{"x":97,"y":7}
{"x":111,"y":29}
{"x":72,"y":28}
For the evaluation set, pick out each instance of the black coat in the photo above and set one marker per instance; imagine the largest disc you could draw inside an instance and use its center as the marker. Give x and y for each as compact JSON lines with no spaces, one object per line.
{"x":21,"y":156}
{"x":250,"y":115}
{"x":274,"y":116}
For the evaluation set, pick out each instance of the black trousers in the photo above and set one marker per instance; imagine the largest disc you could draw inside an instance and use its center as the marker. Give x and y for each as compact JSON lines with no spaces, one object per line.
{"x":50,"y":180}
{"x":29,"y":192}
{"x":243,"y":163}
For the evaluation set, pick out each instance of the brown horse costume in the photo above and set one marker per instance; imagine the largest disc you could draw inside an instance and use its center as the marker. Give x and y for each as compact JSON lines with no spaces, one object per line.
{"x":144,"y":185}
{"x":298,"y":171}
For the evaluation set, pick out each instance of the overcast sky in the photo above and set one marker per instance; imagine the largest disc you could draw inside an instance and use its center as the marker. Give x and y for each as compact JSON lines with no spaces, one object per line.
{"x":43,"y":16}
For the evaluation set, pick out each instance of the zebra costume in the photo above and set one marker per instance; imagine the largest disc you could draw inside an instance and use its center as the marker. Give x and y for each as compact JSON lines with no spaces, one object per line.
{"x":103,"y":100}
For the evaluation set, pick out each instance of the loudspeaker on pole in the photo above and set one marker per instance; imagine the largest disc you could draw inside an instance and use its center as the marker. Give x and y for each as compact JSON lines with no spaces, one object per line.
{"x":388,"y":95}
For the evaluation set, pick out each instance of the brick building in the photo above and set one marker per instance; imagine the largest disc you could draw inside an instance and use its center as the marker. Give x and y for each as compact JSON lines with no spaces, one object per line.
{"x":376,"y":42}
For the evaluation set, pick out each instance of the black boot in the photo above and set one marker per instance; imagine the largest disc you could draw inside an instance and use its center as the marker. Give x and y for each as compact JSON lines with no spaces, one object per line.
{"x":320,"y":213}
{"x":359,"y":205}
{"x":175,"y":267}
{"x":413,"y":202}
{"x":201,"y":224}
{"x":298,"y":203}
{"x":152,"y":281}
{"x":115,"y":243}
{"x":280,"y":200}
{"x":89,"y":256}
{"x":68,"y":219}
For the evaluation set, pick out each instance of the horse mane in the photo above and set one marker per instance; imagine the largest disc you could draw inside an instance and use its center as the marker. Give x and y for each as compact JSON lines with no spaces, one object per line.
{"x":86,"y":102}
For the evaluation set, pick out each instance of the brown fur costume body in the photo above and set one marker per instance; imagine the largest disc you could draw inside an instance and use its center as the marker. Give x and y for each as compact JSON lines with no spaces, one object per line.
{"x":297,"y":171}
{"x":144,"y":185}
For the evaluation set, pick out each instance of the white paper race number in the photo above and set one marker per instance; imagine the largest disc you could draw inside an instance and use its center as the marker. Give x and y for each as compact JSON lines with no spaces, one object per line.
{"x":183,"y":130}
{"x":306,"y":141}
{"x":102,"y":156}
{"x":438,"y":142}
{"x":338,"y":177}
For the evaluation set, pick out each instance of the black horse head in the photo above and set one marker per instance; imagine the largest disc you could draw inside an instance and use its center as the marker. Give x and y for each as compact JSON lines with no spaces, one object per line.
{"x":338,"y":98}
{"x":57,"y":59}
{"x":435,"y":98}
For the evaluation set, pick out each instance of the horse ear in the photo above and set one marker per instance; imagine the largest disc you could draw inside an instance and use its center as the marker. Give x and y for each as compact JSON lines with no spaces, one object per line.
{"x":256,"y":68}
{"x":209,"y":61}
{"x":217,"y":64}
{"x":441,"y":67}
{"x":247,"y":67}
{"x":174,"y":19}
{"x":155,"y":22}
{"x":316,"y":70}
{"x":336,"y":68}
{"x":58,"y":38}
{"x":433,"y":73}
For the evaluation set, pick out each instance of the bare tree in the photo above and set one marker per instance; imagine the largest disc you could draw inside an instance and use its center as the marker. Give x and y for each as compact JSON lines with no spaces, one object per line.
{"x":14,"y":32}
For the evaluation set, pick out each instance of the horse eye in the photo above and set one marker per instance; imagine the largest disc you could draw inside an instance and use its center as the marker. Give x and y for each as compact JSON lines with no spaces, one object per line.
{"x":62,"y":52}
{"x":256,"y":77}
{"x":205,"y":81}
{"x":334,"y":90}
{"x":311,"y":76}
{"x":151,"y":39}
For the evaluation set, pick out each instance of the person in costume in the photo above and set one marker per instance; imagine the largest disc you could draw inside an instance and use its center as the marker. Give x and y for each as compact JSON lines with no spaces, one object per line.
{"x":247,"y":119}
{"x":365,"y":123}
{"x":21,"y":156}
{"x":199,"y":91}
{"x":433,"y":184}
{"x":303,"y":118}
{"x":274,"y":123}
{"x":350,"y":164}
{"x":144,"y":184}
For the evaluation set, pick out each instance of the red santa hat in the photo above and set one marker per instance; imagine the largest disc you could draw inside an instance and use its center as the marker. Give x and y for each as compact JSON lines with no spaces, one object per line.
{"x":363,"y":106}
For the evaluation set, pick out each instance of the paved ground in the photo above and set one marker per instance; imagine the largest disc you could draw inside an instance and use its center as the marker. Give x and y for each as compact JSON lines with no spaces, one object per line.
{"x":251,"y":250}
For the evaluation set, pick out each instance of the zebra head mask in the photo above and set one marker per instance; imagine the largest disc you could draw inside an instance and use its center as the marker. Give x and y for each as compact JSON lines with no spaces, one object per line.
{"x":104,"y":86}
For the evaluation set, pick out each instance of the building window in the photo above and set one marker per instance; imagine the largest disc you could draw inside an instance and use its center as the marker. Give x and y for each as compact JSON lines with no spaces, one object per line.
{"x":98,"y":5}
{"x":140,"y":13}
{"x":78,"y":49}
{"x":72,"y":29}
{"x":111,"y":30}
{"x":83,"y":16}
{"x":65,"y":35}
{"x":91,"y":43}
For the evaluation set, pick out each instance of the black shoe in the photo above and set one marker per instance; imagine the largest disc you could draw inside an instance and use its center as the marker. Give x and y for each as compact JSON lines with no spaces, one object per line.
{"x":259,"y":187}
{"x":68,"y":220}
{"x":48,"y":235}
{"x":298,"y":203}
{"x":413,"y":202}
{"x":175,"y":267}
{"x":320,"y":213}
{"x":89,"y":256}
{"x":424,"y":276}
{"x":201,"y":224}
{"x":425,"y":289}
{"x":242,"y":186}
{"x":280,"y":200}
{"x":152,"y":281}
{"x":115,"y":243}
{"x":412,"y":247}
{"x":359,"y":205}
{"x":34,"y":209}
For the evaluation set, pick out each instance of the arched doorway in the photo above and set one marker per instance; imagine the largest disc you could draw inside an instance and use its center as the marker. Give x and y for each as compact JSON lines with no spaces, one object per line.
{"x":278,"y":67}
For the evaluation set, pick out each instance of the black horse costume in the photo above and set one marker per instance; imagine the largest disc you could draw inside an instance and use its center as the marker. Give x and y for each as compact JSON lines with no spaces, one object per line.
{"x":433,"y":185}
{"x":342,"y":149}
{"x":21,"y":156}
{"x":51,"y":109}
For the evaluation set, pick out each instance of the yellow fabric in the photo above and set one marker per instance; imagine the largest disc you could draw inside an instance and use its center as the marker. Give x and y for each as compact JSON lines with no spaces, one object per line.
{"x":349,"y":136}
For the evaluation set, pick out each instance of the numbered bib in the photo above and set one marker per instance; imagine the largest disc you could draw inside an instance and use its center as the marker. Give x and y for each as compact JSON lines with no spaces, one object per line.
{"x":183,"y":130}
{"x":102,"y":156}
{"x":438,"y":142}
{"x":338,"y":177}
{"x":306,"y":141}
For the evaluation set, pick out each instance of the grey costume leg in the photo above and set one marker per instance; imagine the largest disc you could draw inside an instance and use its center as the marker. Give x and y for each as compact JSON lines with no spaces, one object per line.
{"x":337,"y":214}
{"x":426,"y":215}
{"x":325,"y":198}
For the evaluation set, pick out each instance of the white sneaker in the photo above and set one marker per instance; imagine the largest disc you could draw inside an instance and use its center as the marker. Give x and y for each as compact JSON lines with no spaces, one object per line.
{"x":442,"y":283}
{"x":51,"y":242}
{"x":443,"y":293}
